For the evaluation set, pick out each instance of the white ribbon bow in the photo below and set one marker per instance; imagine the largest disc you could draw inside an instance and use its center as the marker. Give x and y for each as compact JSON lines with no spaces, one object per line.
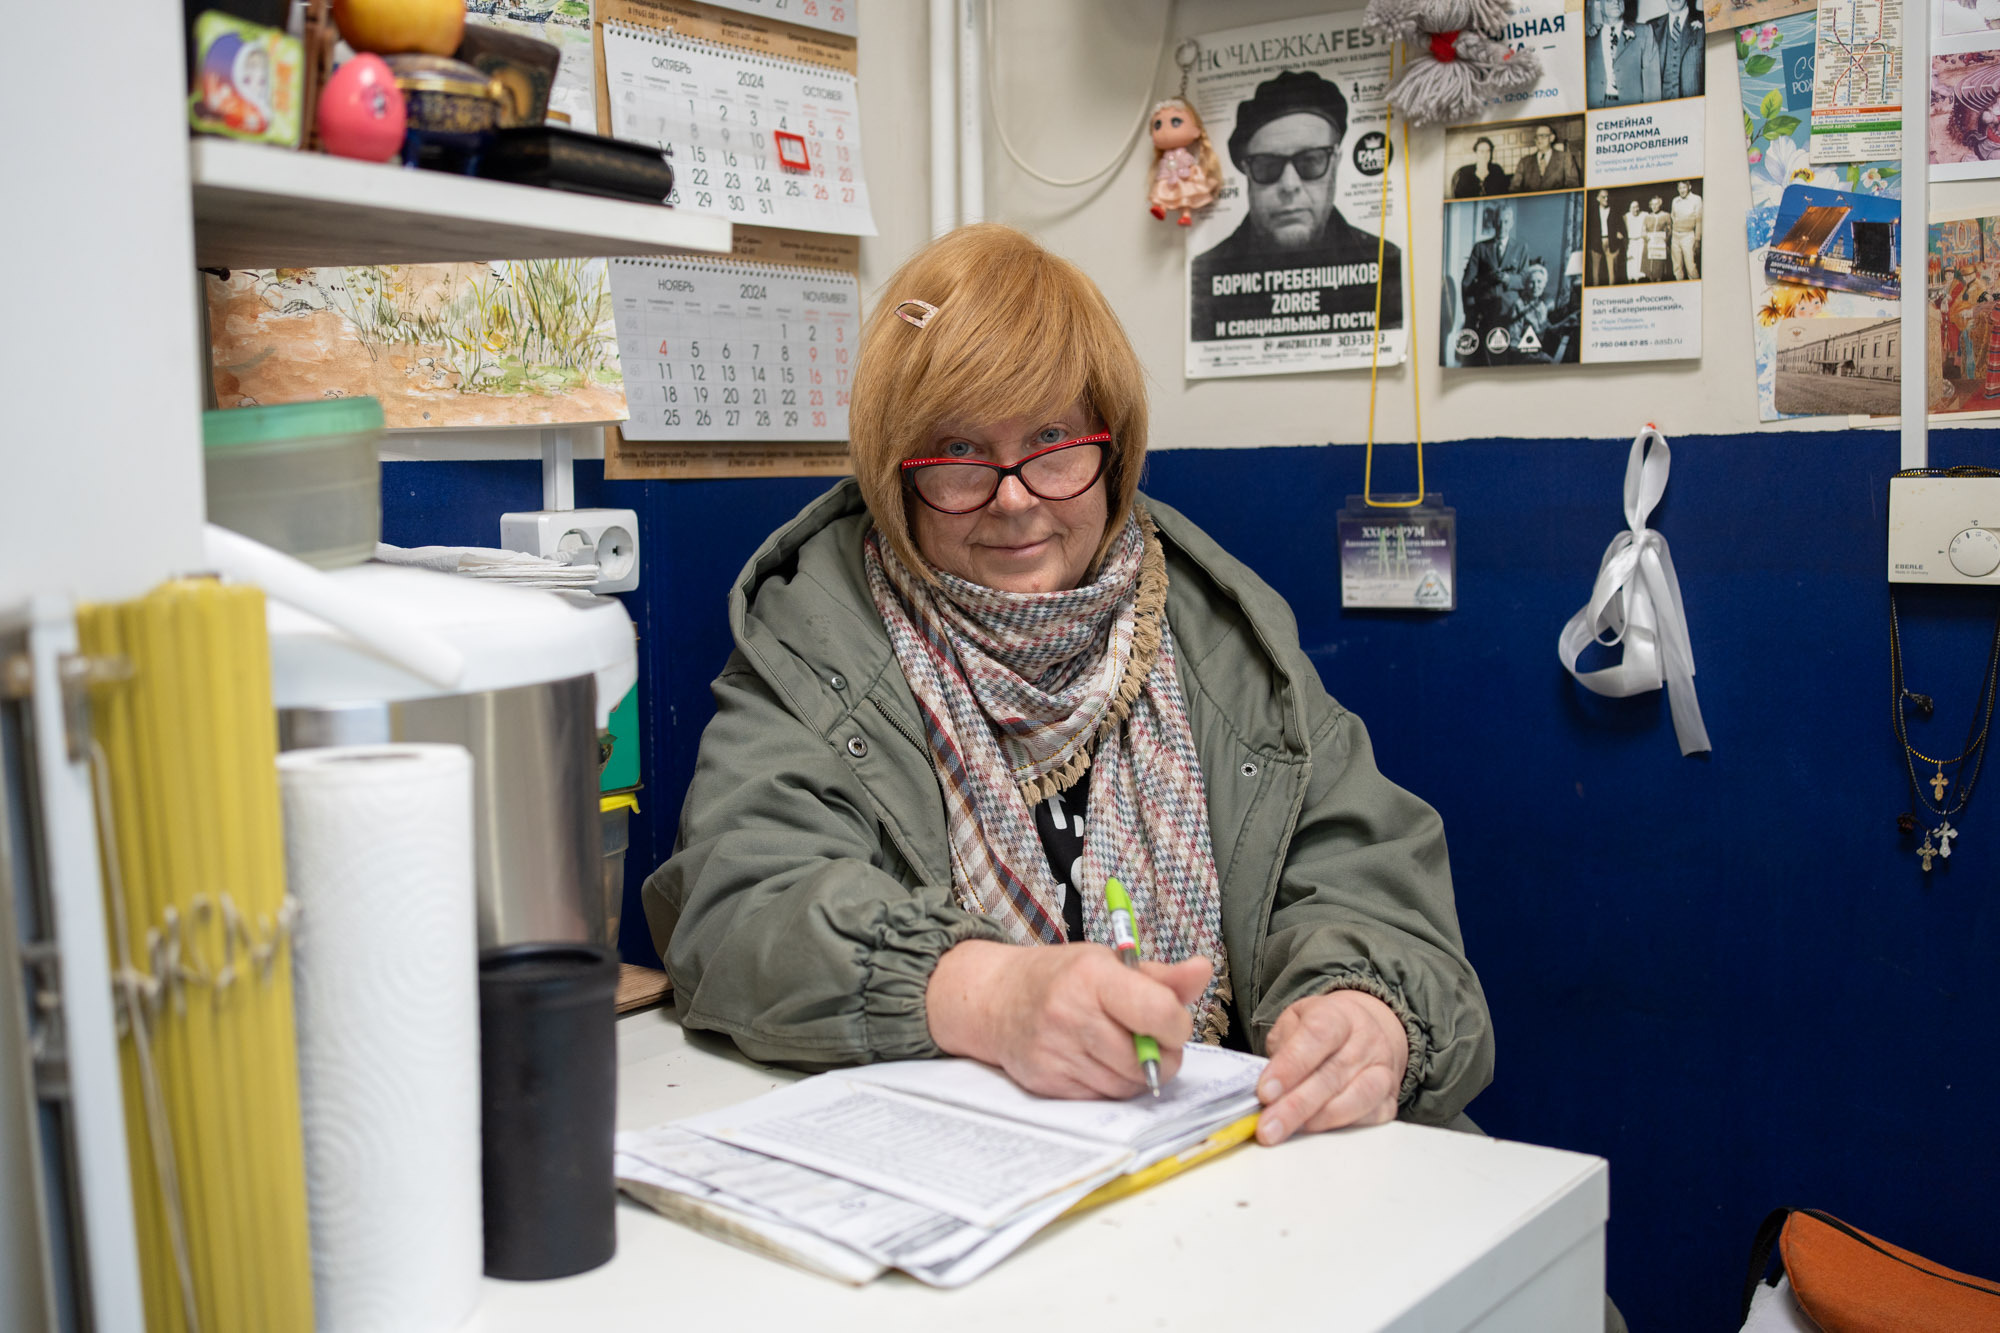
{"x":1637,"y":602}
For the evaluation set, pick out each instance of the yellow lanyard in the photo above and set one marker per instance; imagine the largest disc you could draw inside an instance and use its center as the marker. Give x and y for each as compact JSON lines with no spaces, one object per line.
{"x":1409,"y":324}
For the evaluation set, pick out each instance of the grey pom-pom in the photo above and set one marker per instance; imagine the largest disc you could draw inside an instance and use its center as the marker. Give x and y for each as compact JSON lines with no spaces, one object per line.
{"x":1411,"y":20}
{"x":1499,"y":68}
{"x":1430,"y":90}
{"x":1398,"y":20}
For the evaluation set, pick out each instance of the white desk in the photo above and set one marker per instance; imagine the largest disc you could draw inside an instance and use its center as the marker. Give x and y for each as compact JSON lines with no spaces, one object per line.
{"x":1392,"y":1228}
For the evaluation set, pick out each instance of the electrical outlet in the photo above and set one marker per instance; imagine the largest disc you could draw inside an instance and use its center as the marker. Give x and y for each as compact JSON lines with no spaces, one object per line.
{"x":1944,"y":530}
{"x":607,"y":538}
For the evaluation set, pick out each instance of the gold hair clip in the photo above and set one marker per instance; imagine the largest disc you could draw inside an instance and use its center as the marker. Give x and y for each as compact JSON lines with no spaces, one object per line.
{"x":919,"y":316}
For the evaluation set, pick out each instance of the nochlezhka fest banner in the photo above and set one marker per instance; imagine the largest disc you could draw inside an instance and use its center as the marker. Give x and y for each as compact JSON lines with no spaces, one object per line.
{"x":1282,"y":276}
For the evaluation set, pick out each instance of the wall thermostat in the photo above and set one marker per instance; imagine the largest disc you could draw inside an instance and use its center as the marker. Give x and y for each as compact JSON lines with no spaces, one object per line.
{"x":1944,"y":530}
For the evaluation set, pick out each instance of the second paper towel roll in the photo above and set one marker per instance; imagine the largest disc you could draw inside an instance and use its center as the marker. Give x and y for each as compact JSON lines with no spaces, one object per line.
{"x":378,"y":852}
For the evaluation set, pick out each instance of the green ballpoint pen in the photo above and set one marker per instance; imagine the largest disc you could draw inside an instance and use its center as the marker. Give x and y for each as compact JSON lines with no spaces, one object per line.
{"x":1125,"y":938}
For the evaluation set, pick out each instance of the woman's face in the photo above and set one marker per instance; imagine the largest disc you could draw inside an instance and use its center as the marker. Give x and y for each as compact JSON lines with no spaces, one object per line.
{"x":1020,"y":542}
{"x":1482,"y":153}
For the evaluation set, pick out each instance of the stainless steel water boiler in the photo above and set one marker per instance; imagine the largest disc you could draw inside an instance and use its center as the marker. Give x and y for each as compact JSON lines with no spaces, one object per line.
{"x":539,"y":674}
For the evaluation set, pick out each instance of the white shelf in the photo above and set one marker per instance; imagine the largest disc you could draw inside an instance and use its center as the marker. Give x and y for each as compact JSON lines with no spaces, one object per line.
{"x":256,"y":206}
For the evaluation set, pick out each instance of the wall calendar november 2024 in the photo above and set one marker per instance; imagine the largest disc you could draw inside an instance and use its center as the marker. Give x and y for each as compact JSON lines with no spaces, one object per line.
{"x":720,"y":349}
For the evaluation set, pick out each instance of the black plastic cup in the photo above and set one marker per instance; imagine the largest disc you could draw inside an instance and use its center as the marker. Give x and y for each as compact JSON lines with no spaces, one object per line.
{"x":548,"y":1094}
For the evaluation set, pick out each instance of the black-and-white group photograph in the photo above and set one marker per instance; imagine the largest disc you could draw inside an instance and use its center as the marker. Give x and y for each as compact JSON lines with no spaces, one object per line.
{"x":1638,"y":51}
{"x":1643,"y":233}
{"x":1513,"y":281}
{"x":1517,"y":157}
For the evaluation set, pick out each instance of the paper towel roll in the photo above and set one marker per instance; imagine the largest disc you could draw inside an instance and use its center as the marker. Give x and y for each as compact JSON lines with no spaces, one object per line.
{"x":378,"y":850}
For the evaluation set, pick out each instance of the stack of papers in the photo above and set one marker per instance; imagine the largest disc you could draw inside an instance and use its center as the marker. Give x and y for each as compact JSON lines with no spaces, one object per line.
{"x":941,"y":1168}
{"x":491,"y":565}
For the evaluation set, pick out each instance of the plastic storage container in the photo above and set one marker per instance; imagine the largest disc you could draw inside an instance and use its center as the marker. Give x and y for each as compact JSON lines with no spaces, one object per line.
{"x":616,"y":812}
{"x":305,"y":478}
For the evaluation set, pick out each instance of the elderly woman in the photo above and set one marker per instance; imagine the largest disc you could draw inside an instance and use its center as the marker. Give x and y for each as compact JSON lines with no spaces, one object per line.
{"x":986,"y":674}
{"x":1479,"y":177}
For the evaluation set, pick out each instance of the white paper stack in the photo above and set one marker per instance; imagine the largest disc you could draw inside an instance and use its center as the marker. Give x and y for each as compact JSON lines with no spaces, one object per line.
{"x":491,"y":565}
{"x":941,"y":1168}
{"x":378,"y":853}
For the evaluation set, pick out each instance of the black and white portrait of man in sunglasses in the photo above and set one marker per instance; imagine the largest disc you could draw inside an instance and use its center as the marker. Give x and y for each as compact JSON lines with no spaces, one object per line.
{"x":1287,"y":150}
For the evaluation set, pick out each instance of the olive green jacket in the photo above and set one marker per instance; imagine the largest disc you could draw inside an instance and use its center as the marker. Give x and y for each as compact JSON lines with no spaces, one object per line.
{"x":810,"y":893}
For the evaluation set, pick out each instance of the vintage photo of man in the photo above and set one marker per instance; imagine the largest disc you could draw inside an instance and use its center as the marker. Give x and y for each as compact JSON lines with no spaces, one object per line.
{"x":1483,"y":160}
{"x":1286,"y":146}
{"x":1604,"y":251}
{"x":1550,"y":166}
{"x":1643,"y":51}
{"x":1685,"y":231}
{"x":1514,"y":281}
{"x":1287,"y":269}
{"x":1643,"y":233}
{"x":1603,"y":257}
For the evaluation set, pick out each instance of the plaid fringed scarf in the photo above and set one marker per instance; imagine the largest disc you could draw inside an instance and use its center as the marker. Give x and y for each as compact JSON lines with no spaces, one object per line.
{"x":1020,"y":693}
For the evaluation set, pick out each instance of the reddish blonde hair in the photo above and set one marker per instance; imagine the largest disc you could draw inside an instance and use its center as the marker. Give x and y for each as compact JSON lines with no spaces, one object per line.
{"x":1018,"y":332}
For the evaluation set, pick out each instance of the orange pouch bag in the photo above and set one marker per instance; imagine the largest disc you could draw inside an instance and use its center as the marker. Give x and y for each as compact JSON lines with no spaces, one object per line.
{"x":1848,"y":1281}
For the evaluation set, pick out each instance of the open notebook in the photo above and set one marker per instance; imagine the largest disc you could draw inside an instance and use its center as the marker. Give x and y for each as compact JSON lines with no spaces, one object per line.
{"x":941,"y":1168}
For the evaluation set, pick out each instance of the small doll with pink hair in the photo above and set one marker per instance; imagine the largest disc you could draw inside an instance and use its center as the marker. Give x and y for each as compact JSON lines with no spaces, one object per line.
{"x":1186,"y":171}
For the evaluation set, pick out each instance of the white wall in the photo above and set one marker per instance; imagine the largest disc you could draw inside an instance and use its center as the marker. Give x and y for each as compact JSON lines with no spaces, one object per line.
{"x":102,"y":434}
{"x":894,"y":88}
{"x":1070,"y":79}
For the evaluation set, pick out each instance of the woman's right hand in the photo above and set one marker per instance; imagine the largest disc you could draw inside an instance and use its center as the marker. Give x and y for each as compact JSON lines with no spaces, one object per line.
{"x":1060,"y":1018}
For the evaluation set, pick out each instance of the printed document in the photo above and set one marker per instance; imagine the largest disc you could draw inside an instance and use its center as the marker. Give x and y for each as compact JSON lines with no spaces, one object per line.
{"x":940,"y":1168}
{"x":1213,"y":1085}
{"x":973,"y":1167}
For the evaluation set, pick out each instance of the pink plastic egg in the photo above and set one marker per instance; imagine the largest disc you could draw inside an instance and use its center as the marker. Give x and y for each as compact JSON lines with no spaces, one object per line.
{"x":361,"y":112}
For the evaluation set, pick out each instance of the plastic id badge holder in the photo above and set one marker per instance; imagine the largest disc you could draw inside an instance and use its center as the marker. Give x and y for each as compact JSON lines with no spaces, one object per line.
{"x":1398,"y":559}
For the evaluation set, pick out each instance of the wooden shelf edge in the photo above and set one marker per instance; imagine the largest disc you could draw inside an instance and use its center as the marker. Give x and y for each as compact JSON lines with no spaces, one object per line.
{"x":262,"y":207}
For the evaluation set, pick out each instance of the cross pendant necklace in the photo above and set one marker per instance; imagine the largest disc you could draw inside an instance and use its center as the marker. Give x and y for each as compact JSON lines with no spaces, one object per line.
{"x":1968,"y":762}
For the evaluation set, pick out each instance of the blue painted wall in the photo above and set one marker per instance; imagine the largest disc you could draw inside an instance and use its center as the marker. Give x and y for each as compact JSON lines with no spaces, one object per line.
{"x":1728,"y":975}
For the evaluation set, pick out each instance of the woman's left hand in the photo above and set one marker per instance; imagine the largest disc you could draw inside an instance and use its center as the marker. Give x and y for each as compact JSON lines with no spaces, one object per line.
{"x":1336,"y":1059}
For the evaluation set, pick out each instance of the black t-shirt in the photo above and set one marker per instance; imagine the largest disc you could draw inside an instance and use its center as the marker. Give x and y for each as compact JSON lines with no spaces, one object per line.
{"x":1059,"y":821}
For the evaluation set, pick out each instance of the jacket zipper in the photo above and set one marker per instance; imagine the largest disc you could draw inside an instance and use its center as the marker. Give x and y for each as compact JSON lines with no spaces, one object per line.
{"x":905,"y":732}
{"x":915,"y":862}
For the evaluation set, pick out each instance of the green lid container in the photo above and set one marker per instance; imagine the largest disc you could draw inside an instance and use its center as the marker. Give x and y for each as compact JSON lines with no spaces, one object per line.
{"x":238,"y":427}
{"x":305,"y":478}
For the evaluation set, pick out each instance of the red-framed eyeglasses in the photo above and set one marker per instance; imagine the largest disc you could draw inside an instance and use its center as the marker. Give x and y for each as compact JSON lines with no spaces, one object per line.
{"x":1062,"y":471}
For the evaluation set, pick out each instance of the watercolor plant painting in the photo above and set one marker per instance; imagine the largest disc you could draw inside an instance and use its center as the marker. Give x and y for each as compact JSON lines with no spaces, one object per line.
{"x":510,"y":343}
